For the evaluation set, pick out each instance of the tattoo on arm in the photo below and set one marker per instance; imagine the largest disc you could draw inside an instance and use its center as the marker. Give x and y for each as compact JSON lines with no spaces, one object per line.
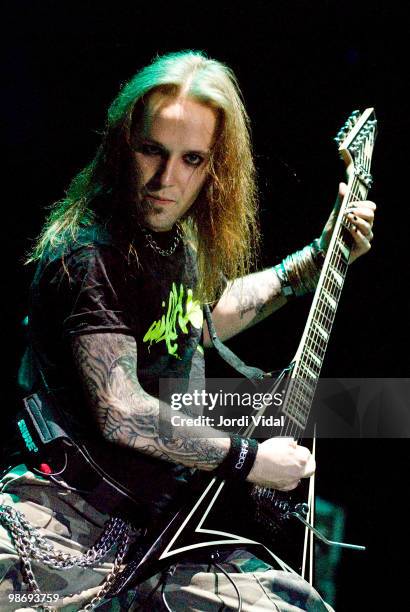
{"x":125,"y":412}
{"x":254,"y":295}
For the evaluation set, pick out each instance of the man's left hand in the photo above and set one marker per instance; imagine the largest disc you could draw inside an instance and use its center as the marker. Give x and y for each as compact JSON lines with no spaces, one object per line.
{"x":361,"y":216}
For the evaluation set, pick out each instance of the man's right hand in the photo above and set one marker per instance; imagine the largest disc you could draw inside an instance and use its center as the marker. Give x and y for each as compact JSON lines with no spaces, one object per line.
{"x":281,"y":463}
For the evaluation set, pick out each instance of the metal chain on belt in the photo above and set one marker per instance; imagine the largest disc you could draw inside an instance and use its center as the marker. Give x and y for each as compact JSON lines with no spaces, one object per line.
{"x":154,"y":245}
{"x":30,"y":543}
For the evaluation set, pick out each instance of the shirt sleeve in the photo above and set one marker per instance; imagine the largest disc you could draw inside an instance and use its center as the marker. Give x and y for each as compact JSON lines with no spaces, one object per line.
{"x":91,"y":285}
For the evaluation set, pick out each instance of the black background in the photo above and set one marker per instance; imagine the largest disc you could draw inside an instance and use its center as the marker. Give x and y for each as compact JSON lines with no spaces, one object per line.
{"x":303,"y":67}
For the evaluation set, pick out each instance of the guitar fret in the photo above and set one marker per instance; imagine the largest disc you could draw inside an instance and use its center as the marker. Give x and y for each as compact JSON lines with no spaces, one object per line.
{"x":318,"y":341}
{"x":325,"y":326}
{"x":313,"y":362}
{"x":323,"y":315}
{"x":322,"y":332}
{"x":306,"y":379}
{"x":339,"y":263}
{"x":321,"y":320}
{"x":324,"y":320}
{"x":326,"y":312}
{"x":332,"y":303}
{"x":331,"y":287}
{"x":344,"y":250}
{"x":300,"y":385}
{"x":318,"y":350}
{"x":316,"y":344}
{"x":311,"y":374}
{"x":293,"y":418}
{"x":324,"y":309}
{"x":300,"y":380}
{"x":337,"y":276}
{"x":314,"y":357}
{"x":331,"y":284}
{"x":326,"y":305}
{"x":300,"y":408}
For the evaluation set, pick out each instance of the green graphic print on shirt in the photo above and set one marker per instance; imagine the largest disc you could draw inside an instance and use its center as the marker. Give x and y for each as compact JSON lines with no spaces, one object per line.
{"x":166,"y":328}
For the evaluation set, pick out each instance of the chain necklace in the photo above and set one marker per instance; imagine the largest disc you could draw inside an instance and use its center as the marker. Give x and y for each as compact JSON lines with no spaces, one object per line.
{"x":29,"y":543}
{"x":155,"y":246}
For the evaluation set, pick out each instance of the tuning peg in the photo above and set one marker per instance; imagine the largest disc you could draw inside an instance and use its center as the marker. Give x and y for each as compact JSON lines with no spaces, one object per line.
{"x":370,"y":125}
{"x":341,"y":135}
{"x":352,"y":120}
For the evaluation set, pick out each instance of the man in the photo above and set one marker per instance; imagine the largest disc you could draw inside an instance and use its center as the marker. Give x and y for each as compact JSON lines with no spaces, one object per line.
{"x":147,"y":234}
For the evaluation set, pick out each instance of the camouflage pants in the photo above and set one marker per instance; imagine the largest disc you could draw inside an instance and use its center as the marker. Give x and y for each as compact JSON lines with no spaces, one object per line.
{"x":72,"y":525}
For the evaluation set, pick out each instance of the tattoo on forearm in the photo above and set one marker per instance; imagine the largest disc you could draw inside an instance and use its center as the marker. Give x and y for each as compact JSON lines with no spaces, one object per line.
{"x":125,"y":412}
{"x":252,"y":295}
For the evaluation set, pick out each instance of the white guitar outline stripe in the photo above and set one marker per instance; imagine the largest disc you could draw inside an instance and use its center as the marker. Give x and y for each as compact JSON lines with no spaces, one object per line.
{"x":232,"y":538}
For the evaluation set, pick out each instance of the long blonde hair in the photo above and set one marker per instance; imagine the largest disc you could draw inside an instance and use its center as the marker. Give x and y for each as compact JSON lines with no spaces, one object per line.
{"x":223,"y":220}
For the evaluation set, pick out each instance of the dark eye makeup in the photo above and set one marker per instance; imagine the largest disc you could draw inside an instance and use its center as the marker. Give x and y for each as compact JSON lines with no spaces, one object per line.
{"x":152,"y":150}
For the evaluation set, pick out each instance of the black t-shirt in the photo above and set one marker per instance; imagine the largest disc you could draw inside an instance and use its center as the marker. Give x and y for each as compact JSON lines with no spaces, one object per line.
{"x":93,"y":286}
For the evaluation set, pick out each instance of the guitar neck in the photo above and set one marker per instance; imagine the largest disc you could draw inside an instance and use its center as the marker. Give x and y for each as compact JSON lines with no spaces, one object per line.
{"x":309,"y":357}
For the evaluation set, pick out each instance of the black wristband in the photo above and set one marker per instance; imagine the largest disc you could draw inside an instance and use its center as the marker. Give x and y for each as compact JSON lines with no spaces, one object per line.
{"x":239,"y":460}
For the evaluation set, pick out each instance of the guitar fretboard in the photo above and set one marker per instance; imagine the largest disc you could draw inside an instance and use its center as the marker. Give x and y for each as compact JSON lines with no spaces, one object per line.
{"x":313,"y":345}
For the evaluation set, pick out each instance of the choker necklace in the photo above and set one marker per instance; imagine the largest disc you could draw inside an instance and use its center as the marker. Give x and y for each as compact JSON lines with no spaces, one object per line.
{"x":155,"y":246}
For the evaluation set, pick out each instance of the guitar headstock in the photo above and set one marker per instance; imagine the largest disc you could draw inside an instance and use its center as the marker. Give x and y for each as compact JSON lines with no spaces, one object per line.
{"x":356,"y":140}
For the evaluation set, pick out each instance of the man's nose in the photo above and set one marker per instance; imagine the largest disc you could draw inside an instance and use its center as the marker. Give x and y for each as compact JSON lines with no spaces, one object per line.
{"x":167,"y":171}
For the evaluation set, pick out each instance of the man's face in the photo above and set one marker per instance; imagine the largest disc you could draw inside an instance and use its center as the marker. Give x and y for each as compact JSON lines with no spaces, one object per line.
{"x":172,"y":148}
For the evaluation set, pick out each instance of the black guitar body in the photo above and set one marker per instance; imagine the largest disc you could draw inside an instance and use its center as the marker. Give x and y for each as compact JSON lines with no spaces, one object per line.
{"x":215,"y":518}
{"x":263,"y":515}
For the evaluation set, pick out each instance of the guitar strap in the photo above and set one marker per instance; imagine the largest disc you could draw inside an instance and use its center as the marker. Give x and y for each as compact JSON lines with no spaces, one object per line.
{"x":255,"y":375}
